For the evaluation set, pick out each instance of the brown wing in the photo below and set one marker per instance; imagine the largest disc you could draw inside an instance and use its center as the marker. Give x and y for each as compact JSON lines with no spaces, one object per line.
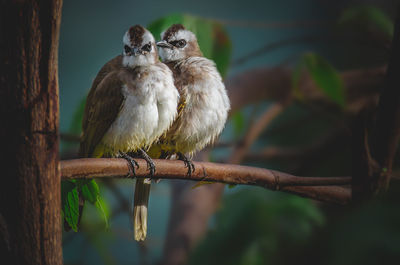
{"x":112,"y":65}
{"x":102,"y":107}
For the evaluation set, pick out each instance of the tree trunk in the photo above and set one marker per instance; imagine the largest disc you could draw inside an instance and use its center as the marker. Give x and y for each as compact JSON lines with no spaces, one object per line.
{"x":30,"y":220}
{"x":373,"y":157}
{"x":386,"y":133}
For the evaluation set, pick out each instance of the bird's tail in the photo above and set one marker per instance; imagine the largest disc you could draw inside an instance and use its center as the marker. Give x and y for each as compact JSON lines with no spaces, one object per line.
{"x":141,"y":200}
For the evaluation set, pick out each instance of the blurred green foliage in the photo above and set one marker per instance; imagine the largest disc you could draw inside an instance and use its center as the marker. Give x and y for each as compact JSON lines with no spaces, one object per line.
{"x":323,"y":74}
{"x":368,"y":234}
{"x":259,"y":227}
{"x":253,"y":226}
{"x":367,"y":17}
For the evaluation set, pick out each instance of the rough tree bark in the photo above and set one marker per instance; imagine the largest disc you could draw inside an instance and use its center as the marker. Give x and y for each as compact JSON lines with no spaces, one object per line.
{"x":387,"y":128}
{"x":30,"y":221}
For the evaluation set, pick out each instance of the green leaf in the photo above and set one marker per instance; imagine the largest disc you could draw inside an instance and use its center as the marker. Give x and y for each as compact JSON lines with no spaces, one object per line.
{"x":326,"y":77}
{"x":70,"y":204}
{"x":213,"y":39}
{"x":90,"y":190}
{"x":103,"y":208}
{"x":260,"y":223}
{"x":367,"y":16}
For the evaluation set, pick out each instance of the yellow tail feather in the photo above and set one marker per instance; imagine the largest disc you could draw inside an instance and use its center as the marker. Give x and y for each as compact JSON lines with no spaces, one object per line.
{"x":141,"y":200}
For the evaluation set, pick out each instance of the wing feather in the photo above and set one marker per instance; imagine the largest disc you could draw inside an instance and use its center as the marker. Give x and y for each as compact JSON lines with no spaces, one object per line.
{"x":102,"y":107}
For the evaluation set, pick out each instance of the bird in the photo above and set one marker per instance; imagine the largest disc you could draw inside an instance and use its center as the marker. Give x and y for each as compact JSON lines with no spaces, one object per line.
{"x":132,"y":102}
{"x":204,"y":103}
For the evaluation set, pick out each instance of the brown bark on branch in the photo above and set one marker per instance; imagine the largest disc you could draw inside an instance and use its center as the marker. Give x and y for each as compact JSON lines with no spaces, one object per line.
{"x":309,"y":187}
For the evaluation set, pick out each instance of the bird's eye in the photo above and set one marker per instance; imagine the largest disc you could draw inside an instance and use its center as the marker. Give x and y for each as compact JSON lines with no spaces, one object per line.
{"x":127,"y":49}
{"x":180,"y":43}
{"x":146,"y":47}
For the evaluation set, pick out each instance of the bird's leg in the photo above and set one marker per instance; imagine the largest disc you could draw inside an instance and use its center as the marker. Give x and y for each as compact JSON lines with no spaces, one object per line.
{"x":188,"y":163}
{"x":150,"y":163}
{"x":132,"y":163}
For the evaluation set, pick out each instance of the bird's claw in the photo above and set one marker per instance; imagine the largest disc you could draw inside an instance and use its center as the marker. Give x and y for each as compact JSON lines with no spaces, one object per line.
{"x":132,"y":164}
{"x":151,"y":167}
{"x":150,"y":164}
{"x":188,"y":163}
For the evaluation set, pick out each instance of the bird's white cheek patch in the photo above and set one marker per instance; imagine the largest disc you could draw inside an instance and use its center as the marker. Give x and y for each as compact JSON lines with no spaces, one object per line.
{"x":168,"y":54}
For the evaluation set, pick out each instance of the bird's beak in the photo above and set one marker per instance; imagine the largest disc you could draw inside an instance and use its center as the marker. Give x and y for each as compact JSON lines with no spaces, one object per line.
{"x":136,"y":51}
{"x":164,"y":44}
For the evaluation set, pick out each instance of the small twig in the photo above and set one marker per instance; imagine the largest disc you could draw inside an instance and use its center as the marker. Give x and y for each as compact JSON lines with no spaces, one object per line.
{"x":254,"y":131}
{"x":309,"y":187}
{"x":301,"y":153}
{"x":274,"y":84}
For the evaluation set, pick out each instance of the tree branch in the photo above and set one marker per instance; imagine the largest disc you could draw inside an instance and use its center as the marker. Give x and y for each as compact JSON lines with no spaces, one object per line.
{"x":254,"y":131}
{"x":317,"y":188}
{"x":274,"y":84}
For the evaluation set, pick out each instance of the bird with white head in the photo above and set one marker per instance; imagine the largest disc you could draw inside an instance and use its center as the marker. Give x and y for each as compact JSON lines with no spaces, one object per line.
{"x":132,"y":102}
{"x":204,"y":104}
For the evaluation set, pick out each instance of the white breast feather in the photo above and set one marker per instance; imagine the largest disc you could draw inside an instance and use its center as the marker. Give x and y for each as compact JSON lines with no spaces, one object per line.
{"x":167,"y":98}
{"x":146,"y":113}
{"x":207,"y":107}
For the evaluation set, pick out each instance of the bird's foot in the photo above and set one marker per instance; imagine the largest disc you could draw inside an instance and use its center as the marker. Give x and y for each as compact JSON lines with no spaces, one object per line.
{"x":132,"y":164}
{"x":150,"y":164}
{"x":188,"y":163}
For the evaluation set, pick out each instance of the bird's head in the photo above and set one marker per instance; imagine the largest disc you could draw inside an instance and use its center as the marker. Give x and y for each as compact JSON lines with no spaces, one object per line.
{"x":177,"y":43}
{"x":139,"y":47}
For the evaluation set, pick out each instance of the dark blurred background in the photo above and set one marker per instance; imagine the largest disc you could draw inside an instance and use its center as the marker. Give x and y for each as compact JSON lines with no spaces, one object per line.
{"x":297,"y":73}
